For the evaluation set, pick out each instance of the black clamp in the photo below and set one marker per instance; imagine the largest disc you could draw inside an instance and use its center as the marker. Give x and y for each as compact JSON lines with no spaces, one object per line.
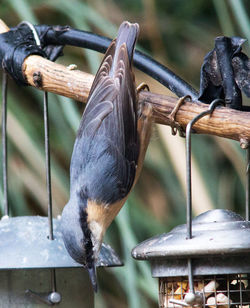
{"x":225,"y":73}
{"x":19,"y":43}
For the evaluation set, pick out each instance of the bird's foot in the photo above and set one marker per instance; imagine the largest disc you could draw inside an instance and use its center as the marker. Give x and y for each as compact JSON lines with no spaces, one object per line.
{"x":142,"y":87}
{"x":175,"y":126}
{"x":145,"y":112}
{"x":144,"y":126}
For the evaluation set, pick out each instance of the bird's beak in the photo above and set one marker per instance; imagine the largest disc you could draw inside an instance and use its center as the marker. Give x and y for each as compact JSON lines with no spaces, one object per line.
{"x":92,"y":276}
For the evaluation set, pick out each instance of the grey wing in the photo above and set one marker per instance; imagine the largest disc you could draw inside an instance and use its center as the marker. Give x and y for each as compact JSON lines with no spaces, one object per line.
{"x":121,"y":124}
{"x":112,"y":108}
{"x":101,"y":95}
{"x":111,"y":113}
{"x":128,"y":105}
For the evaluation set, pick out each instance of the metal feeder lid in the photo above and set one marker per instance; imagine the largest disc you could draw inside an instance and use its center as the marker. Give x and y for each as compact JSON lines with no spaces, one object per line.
{"x":214,"y":233}
{"x":24,"y":244}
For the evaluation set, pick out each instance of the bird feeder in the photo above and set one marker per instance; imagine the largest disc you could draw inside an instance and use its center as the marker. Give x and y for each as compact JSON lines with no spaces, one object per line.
{"x":35,"y":267}
{"x":204,"y":263}
{"x":35,"y":270}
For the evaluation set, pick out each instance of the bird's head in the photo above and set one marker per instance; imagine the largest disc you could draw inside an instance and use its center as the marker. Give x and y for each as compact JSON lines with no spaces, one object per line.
{"x":82,"y":238}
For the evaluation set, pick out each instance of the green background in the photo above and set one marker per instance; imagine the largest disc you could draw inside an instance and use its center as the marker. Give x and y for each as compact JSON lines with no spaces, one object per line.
{"x":178,"y":34}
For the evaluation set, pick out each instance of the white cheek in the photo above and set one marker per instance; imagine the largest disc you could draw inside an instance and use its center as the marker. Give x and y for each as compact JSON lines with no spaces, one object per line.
{"x":97,"y":235}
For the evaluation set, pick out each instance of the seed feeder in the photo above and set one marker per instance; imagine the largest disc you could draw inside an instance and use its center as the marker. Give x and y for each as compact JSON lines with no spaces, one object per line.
{"x":204,"y":263}
{"x":35,"y":268}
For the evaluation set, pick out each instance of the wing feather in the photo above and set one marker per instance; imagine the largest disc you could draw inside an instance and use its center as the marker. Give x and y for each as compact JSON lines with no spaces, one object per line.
{"x":108,"y":129}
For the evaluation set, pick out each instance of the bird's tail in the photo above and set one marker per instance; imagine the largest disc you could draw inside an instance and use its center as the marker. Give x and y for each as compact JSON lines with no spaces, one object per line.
{"x":128,"y":34}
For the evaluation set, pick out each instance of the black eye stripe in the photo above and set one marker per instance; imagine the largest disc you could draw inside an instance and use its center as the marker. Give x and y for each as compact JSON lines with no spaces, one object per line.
{"x":87,"y":242}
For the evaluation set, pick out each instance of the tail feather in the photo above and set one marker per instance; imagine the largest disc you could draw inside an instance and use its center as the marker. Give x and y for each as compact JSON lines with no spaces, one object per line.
{"x":128,"y":34}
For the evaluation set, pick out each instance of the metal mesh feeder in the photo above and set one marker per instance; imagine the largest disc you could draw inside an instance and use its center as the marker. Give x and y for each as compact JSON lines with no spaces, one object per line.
{"x":204,"y":263}
{"x":219,"y":251}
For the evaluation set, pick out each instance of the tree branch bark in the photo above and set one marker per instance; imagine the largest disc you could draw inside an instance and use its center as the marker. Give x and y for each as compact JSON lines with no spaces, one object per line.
{"x":224,"y":122}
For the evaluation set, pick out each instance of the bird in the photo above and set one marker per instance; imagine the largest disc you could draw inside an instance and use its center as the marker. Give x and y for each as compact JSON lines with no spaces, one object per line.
{"x":108,"y":153}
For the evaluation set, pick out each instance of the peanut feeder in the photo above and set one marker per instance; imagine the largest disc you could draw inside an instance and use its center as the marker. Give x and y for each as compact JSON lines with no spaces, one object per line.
{"x":204,"y":263}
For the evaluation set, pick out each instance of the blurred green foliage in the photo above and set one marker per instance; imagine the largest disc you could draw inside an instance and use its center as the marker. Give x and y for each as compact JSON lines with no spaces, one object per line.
{"x":177,"y":33}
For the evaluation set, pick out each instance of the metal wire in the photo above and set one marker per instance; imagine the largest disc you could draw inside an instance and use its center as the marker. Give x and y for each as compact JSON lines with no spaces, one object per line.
{"x":46,"y":140}
{"x":241,"y":301}
{"x":53,"y":279}
{"x":215,"y":292}
{"x":4,"y":143}
{"x":210,"y":110}
{"x":47,"y":158}
{"x":34,"y":32}
{"x":228,"y":290}
{"x":48,"y":166}
{"x":190,"y":276}
{"x":248,"y":183}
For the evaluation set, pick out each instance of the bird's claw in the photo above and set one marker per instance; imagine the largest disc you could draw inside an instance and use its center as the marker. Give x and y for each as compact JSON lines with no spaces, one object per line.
{"x":175,"y":126}
{"x":142,"y":87}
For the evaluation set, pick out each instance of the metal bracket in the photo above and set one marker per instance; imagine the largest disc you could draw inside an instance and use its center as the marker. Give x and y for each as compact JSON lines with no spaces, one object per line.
{"x":190,"y":299}
{"x":51,"y":298}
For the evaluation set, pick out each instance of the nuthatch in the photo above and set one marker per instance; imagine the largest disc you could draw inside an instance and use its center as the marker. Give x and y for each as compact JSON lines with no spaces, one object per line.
{"x":108,"y":153}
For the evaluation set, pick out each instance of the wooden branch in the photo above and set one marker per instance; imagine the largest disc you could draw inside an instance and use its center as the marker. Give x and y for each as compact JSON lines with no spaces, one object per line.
{"x":224,"y":122}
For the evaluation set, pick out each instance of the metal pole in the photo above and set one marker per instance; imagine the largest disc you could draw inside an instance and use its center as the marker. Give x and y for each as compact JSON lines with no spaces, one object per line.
{"x":190,"y":276}
{"x":188,"y":169}
{"x":189,"y":180}
{"x":47,"y":144}
{"x":53,"y":280}
{"x":247,"y":182}
{"x":53,"y":297}
{"x":4,"y":144}
{"x":212,"y":106}
{"x":48,"y":166}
